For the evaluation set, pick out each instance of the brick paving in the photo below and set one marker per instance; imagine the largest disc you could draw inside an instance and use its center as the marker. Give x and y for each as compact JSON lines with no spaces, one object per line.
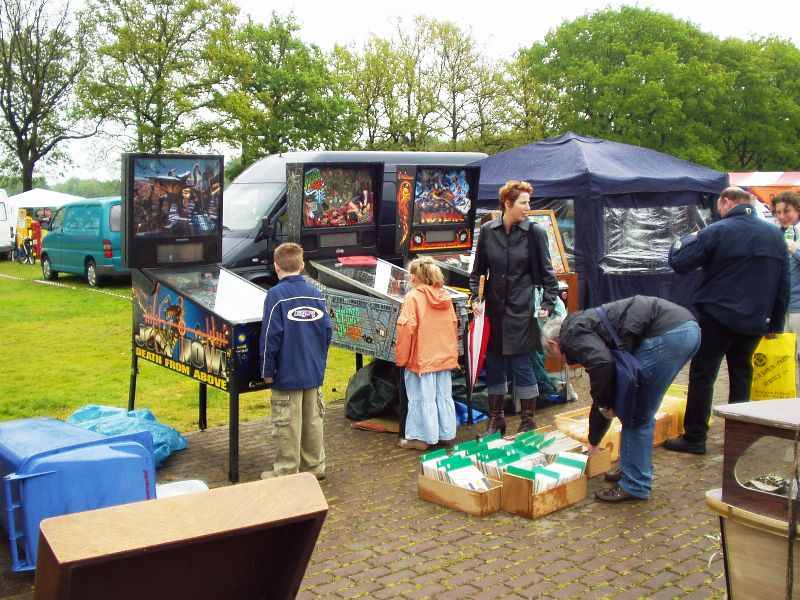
{"x":380,"y":541}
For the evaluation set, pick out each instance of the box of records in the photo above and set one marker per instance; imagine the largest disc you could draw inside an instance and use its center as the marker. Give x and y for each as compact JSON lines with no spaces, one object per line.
{"x":599,"y":462}
{"x":544,"y":489}
{"x":455,"y":482}
{"x":468,"y":478}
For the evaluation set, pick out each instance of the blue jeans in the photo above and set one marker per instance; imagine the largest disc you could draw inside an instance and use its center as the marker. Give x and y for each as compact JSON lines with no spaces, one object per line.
{"x":518,"y":367}
{"x":662,"y":357}
{"x":431,"y":412}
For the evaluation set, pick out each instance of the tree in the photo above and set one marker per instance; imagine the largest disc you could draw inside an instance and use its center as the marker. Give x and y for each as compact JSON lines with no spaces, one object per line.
{"x":152,"y":73}
{"x":531,"y":107}
{"x":457,"y":75}
{"x":281,"y":94}
{"x":412,"y":116}
{"x":368,"y":80}
{"x":633,"y":75}
{"x":489,"y":101}
{"x":41,"y":57}
{"x":88,"y":188}
{"x":758,"y":119}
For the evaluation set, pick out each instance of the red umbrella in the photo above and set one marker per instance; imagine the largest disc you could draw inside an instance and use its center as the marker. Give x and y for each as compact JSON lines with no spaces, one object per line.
{"x":479,"y":331}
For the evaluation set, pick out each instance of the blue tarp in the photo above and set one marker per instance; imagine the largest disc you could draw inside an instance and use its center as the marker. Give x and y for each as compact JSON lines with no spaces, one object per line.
{"x":110,"y":420}
{"x":599,"y":175}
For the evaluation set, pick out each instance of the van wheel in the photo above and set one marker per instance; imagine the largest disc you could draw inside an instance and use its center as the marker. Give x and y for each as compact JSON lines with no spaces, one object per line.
{"x":91,"y":274}
{"x":47,"y":269}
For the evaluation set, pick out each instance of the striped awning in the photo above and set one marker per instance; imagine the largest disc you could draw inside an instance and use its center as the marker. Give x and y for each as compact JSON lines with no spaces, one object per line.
{"x":765,"y":178}
{"x":765,"y":185}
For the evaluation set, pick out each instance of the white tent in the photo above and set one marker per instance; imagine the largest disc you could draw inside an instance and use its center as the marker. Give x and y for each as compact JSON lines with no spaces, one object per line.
{"x":41,"y":198}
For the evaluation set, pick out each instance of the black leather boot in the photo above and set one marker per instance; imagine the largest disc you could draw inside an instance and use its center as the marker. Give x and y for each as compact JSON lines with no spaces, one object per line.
{"x":497,"y":418}
{"x":527,"y":421}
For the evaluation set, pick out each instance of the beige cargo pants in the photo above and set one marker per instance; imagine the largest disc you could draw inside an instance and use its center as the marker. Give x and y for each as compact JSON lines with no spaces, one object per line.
{"x":297,"y":419}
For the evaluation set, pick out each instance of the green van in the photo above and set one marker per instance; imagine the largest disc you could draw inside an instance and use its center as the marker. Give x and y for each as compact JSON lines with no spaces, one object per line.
{"x":85,"y":237}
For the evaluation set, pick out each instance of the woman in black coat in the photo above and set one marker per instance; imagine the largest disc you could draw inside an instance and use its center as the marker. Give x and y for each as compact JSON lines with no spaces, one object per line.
{"x":513,"y":255}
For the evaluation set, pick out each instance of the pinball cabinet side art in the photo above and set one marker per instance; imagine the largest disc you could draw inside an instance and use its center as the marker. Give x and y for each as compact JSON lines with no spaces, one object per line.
{"x":190,"y":315}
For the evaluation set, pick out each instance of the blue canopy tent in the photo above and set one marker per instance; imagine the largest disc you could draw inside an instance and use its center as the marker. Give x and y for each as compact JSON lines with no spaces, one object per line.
{"x":619,"y":208}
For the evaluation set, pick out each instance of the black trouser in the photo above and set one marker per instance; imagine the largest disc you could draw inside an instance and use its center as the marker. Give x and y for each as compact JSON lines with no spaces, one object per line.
{"x":717,"y":342}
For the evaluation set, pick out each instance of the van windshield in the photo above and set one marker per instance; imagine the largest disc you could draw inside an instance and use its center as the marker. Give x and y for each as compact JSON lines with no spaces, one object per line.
{"x":244,"y":204}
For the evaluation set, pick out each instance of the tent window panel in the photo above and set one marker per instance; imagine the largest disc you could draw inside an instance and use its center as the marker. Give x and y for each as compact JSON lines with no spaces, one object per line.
{"x":637,"y":240}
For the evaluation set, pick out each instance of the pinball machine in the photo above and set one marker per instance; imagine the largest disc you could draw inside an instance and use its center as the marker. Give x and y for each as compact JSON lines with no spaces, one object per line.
{"x":190,"y":315}
{"x":332,"y":209}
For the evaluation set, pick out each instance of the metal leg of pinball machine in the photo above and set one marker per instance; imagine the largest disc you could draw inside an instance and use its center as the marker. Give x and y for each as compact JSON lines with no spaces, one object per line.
{"x":202,"y":422}
{"x":132,"y":387}
{"x":233,"y":429}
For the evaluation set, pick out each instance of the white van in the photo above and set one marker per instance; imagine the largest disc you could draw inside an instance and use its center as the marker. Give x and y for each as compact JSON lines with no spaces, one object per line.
{"x":8,"y":222}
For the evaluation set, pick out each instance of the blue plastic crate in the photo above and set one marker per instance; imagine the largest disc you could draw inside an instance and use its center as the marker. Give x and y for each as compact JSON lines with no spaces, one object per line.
{"x":51,"y":468}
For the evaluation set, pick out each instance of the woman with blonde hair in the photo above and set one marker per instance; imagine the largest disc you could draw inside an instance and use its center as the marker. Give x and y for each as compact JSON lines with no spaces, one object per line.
{"x":513,"y":254}
{"x":427,"y":346}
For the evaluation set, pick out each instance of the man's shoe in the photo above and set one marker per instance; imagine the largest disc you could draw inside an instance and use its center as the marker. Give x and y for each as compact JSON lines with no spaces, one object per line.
{"x":614,"y":475}
{"x":615,"y":494}
{"x":269,"y":475}
{"x":680,"y":444}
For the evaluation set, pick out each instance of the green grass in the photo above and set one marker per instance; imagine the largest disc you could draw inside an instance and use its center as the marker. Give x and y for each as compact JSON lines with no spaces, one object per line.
{"x":63,"y":347}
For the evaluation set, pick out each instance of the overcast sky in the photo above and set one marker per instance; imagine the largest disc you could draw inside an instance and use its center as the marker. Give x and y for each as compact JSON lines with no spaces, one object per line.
{"x":499,"y":27}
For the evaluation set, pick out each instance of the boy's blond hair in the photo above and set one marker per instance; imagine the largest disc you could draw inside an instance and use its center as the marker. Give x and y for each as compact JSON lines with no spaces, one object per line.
{"x":426,"y":271}
{"x":289,"y":257}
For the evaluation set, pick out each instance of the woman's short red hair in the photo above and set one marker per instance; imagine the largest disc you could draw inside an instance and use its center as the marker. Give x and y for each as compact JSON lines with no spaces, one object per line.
{"x":511,"y":191}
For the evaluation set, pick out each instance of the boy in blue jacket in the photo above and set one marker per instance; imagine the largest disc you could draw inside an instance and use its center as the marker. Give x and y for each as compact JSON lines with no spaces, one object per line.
{"x":295,"y":334}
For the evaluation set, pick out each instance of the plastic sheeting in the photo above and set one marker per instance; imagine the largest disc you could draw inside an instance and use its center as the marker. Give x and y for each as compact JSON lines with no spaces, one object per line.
{"x":637,"y":240}
{"x":110,"y":420}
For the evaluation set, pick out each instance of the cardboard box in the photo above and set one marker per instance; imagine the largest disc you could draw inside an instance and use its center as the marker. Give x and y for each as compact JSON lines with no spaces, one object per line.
{"x":599,"y":463}
{"x":575,"y":423}
{"x":252,"y":540}
{"x":518,"y":497}
{"x":478,"y":504}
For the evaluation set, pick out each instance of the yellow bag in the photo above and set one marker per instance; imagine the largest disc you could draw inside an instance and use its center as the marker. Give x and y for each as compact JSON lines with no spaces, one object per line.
{"x":775,"y":368}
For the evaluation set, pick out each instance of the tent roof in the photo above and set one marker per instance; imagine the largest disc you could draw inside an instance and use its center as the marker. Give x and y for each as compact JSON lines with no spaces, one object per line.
{"x":574,"y":165}
{"x":41,"y":198}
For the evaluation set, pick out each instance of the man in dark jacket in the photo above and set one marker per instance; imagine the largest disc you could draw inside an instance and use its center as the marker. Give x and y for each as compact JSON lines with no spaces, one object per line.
{"x":663,"y":337}
{"x":744,"y":295}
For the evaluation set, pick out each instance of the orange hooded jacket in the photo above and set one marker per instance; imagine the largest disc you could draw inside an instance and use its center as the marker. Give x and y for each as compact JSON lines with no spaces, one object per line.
{"x":427,"y":331}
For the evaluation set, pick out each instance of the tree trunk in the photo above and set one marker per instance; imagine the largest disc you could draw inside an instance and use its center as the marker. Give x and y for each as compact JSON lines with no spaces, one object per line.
{"x":27,"y":175}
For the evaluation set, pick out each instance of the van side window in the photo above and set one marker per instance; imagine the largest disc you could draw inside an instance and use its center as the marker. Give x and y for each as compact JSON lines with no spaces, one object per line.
{"x":58,"y":219}
{"x":114,"y":217}
{"x":73,"y":219}
{"x":91,"y":219}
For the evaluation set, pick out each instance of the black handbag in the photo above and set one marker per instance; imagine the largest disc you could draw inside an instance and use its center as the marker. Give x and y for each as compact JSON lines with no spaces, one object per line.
{"x":629,"y":377}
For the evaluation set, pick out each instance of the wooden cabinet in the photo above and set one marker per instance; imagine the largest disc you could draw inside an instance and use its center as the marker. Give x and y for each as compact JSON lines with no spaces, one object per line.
{"x":252,"y":540}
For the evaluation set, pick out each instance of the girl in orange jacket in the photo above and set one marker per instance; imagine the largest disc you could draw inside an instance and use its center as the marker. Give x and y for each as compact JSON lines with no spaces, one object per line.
{"x":427,"y":346}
